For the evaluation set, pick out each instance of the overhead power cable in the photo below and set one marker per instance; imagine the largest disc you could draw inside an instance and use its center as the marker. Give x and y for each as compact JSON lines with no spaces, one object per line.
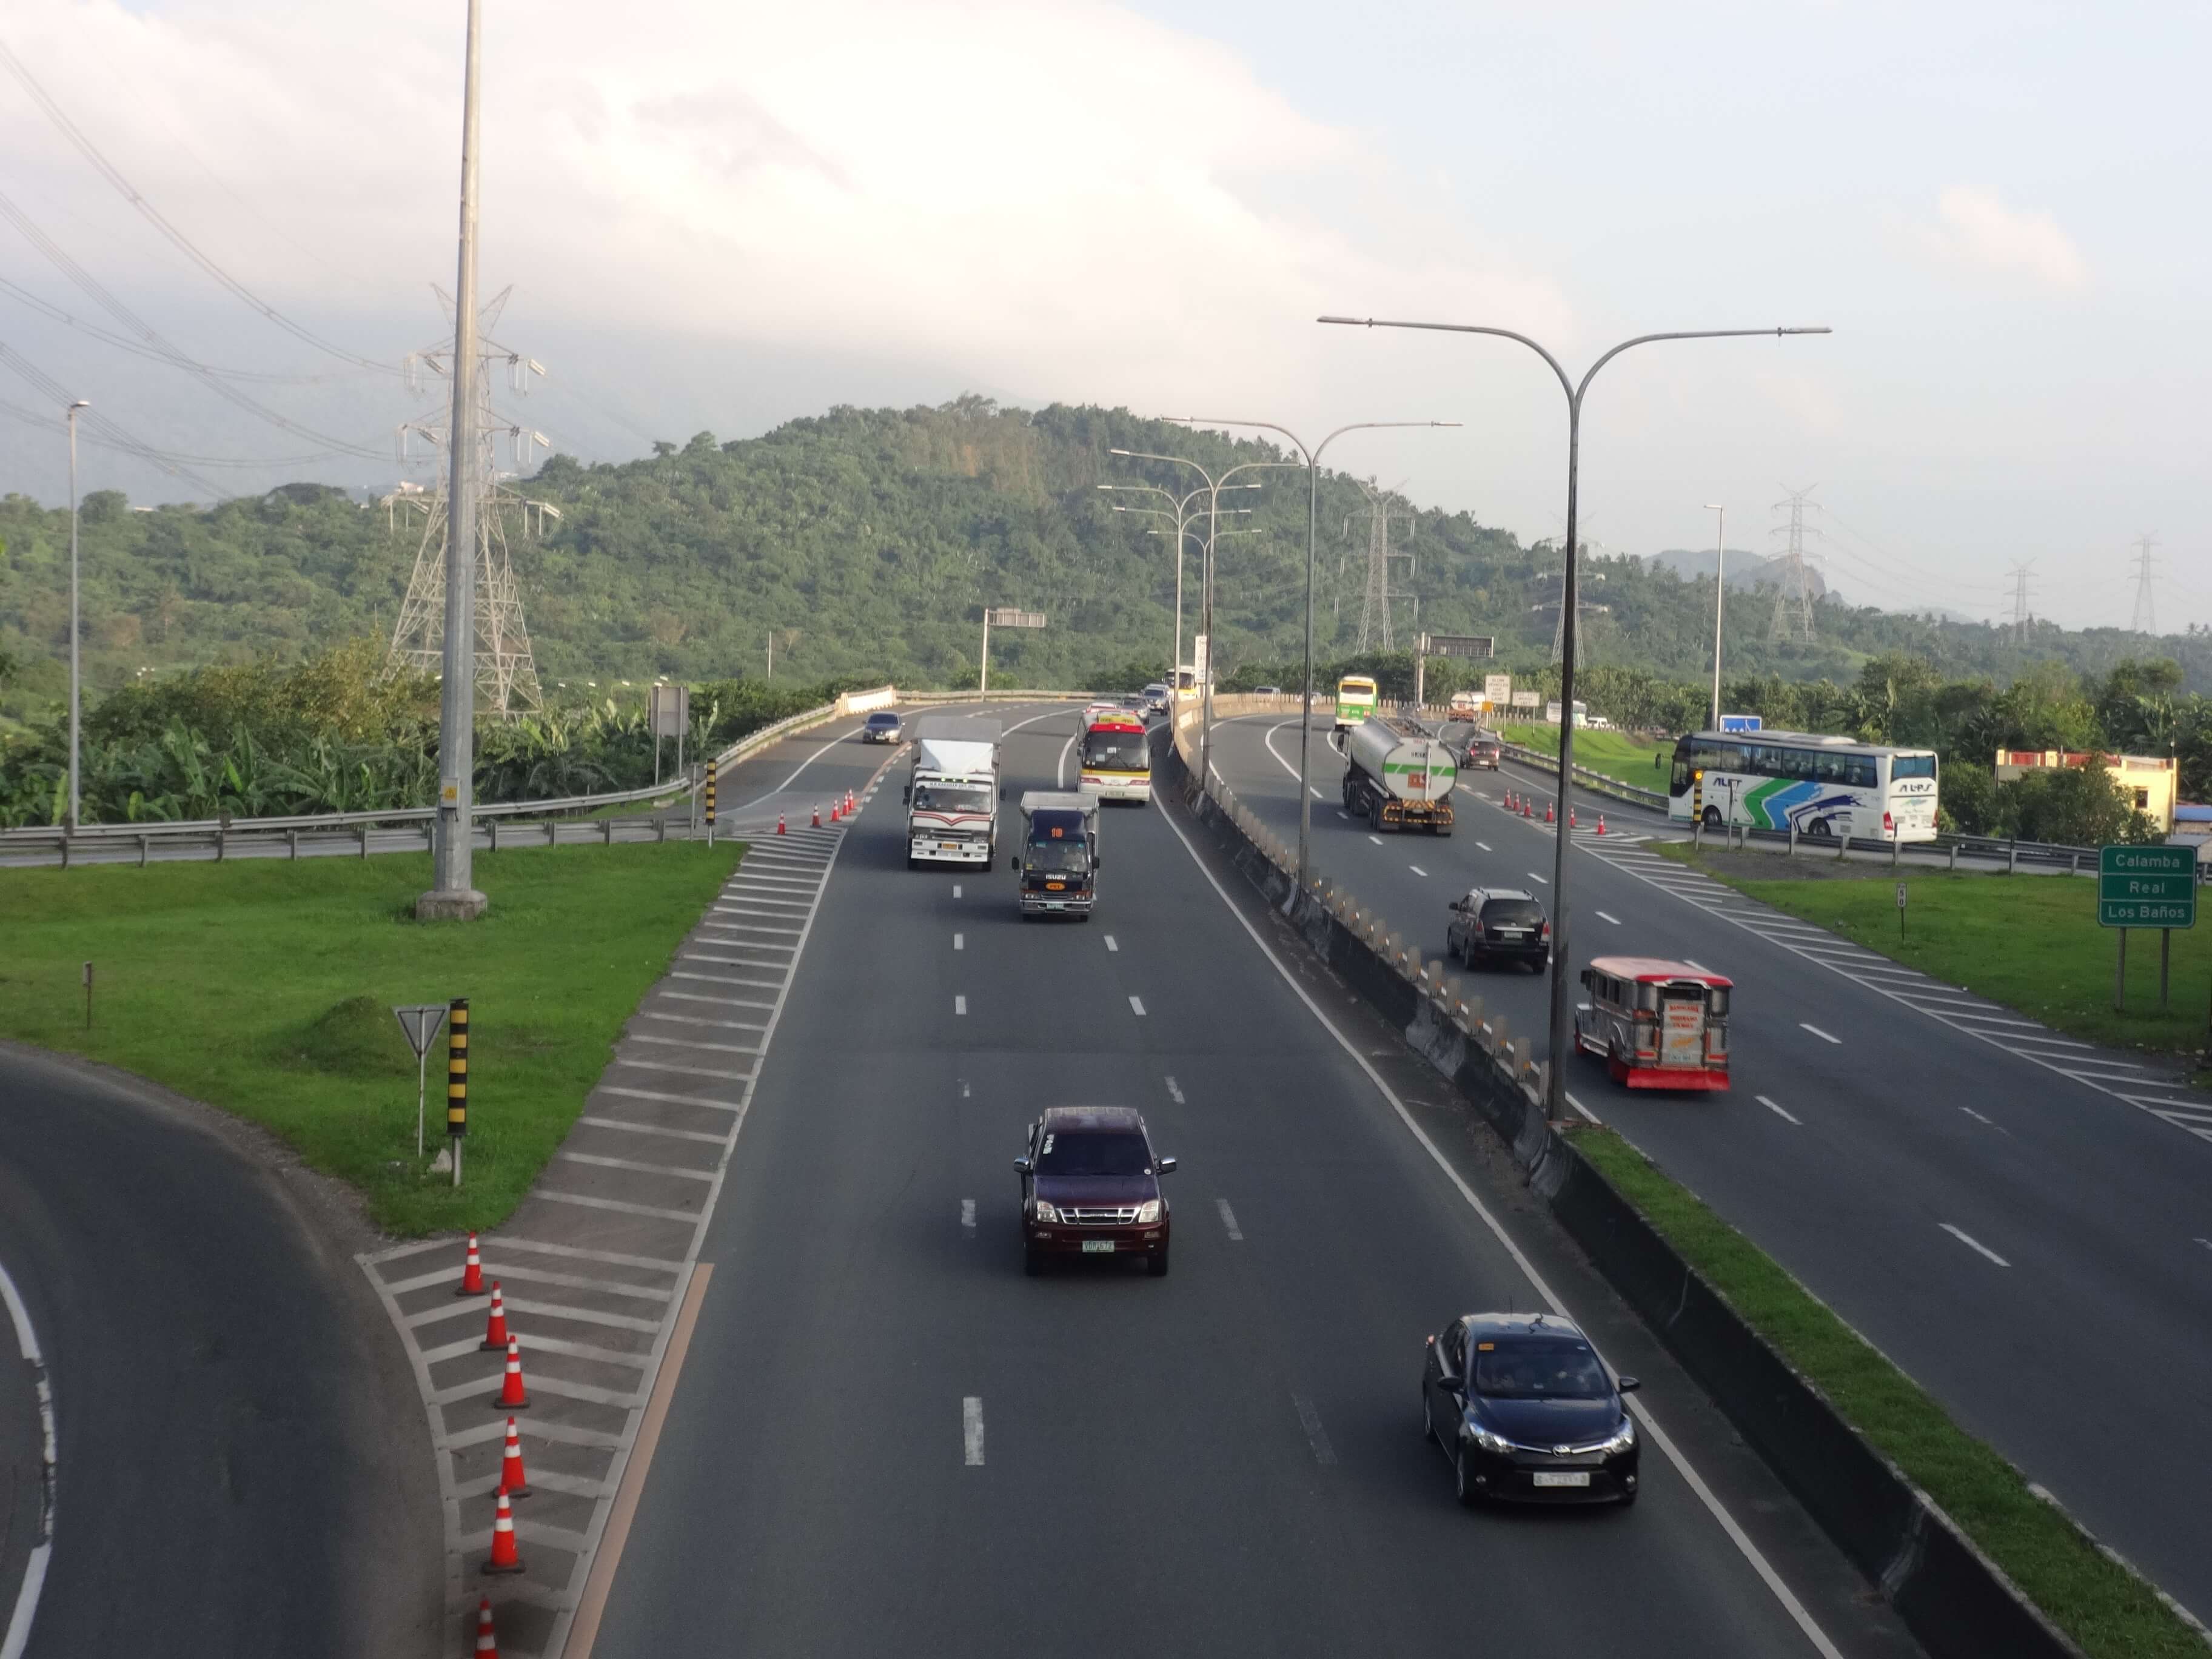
{"x":33,"y":417}
{"x":60,"y":396}
{"x":153,"y":215}
{"x":47,"y":308}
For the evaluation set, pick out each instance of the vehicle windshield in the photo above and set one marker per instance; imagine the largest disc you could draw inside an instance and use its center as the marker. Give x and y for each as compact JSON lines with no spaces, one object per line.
{"x":1117,"y":751}
{"x":1115,"y":1152}
{"x":949,"y":797}
{"x":1512,"y":912}
{"x":1912,"y":766}
{"x":1540,"y":1369}
{"x":1049,"y":856}
{"x":881,"y":720}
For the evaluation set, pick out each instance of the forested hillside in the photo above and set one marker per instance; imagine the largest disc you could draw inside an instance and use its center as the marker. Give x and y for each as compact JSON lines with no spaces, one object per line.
{"x":863,"y":542}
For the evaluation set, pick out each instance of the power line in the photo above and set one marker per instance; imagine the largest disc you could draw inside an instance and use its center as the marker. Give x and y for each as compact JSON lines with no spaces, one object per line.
{"x":2146,"y":620}
{"x":47,"y":308}
{"x":61,"y":396}
{"x":33,"y":417}
{"x":153,"y":215}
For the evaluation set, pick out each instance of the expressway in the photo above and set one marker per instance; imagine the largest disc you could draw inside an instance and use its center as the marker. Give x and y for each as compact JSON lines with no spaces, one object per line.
{"x":883,"y":1435}
{"x":2005,"y":1213}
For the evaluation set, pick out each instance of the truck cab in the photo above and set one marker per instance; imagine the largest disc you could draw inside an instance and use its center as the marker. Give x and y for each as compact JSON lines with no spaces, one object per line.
{"x":1058,"y":863}
{"x":952,"y":794}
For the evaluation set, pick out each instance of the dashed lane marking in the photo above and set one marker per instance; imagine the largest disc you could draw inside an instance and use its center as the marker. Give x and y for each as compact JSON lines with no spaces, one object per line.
{"x":1317,"y":1436}
{"x":1602,"y":916}
{"x":968,"y":1215}
{"x":1417,"y":870}
{"x":1228,"y":1220}
{"x":1777,"y":1110}
{"x":1974,"y":1244}
{"x":960,"y":1005}
{"x":1175,"y":1093}
{"x":1110,"y":943}
{"x":1820,"y":1033}
{"x":1137,"y":1007}
{"x":959,"y":942}
{"x":971,"y":1431}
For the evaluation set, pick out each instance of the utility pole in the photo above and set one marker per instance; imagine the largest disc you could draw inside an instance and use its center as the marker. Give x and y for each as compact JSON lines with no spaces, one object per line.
{"x":1797,"y":584}
{"x":75,"y":800}
{"x":1720,"y":599}
{"x":1374,"y":628}
{"x":453,"y":895}
{"x":2146,"y":620}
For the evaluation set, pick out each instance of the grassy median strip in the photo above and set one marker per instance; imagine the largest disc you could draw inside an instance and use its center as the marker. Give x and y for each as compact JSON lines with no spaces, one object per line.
{"x":267,"y":988}
{"x":2029,"y":942}
{"x":1619,"y":756}
{"x":2104,"y":1606}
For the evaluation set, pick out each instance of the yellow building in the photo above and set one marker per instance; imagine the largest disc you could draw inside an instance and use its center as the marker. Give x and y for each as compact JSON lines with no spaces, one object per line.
{"x":2147,"y":781}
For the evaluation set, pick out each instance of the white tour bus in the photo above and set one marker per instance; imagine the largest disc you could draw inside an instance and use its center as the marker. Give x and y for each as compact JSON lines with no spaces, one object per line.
{"x":1825,"y":785}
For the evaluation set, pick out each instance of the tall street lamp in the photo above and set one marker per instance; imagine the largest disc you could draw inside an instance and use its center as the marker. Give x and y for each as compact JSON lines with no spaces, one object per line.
{"x":1182,"y":514}
{"x":75,"y":801}
{"x":1720,"y":598}
{"x":1555,"y":1086}
{"x":1313,"y":509}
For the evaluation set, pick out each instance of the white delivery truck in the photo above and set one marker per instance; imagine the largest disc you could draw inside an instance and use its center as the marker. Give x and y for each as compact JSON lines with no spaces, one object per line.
{"x":1397,"y":776}
{"x":952,"y":794}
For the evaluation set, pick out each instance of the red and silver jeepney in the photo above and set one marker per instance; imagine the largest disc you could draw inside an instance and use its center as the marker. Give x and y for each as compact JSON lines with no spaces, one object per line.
{"x":1657,"y":1025}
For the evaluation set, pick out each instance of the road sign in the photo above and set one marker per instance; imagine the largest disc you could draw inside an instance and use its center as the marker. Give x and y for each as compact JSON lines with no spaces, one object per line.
{"x":2147,"y":887}
{"x":1007,"y":617}
{"x":669,"y":709}
{"x":1497,"y":688}
{"x":1900,"y":895}
{"x":1459,"y":645}
{"x":1900,"y":909}
{"x":1201,"y":658}
{"x":420,"y":1021}
{"x":1527,"y":699}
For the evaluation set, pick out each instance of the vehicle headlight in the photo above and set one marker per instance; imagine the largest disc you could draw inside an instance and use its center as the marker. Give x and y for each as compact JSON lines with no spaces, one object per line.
{"x":1488,"y":1439}
{"x":1148,"y":1213}
{"x":1046,"y":1212}
{"x":1624,"y":1439}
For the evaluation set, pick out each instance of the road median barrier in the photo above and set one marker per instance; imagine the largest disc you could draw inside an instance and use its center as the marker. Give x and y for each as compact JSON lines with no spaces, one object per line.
{"x":1874,"y":1459}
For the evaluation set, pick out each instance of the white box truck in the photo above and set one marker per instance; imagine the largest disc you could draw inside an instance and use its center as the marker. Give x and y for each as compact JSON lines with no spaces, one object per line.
{"x":952,"y":794}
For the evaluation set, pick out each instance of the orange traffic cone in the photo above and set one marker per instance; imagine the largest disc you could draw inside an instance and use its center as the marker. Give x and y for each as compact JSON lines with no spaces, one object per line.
{"x":818,"y":818}
{"x":1600,"y":823}
{"x":1509,"y":800}
{"x":1549,"y":817}
{"x":504,"y":1558}
{"x":779,"y":824}
{"x":510,"y":1464}
{"x":472,"y":1272}
{"x":496,"y":1327}
{"x":512,"y":1395}
{"x":487,"y":1643}
{"x":1572,"y":824}
{"x":1524,"y":806}
{"x":849,"y":803}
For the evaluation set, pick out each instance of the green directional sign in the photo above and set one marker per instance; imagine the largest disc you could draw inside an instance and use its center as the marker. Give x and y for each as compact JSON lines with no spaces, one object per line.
{"x":2147,"y":887}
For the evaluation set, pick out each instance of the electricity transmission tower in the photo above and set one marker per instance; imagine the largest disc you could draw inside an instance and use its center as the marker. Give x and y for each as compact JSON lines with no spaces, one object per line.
{"x":2023,"y":618}
{"x":2146,"y":620}
{"x":1795,"y":590}
{"x":1375,"y":603}
{"x":507,"y":676}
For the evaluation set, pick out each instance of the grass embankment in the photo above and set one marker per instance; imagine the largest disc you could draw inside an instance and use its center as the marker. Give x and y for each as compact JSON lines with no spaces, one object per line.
{"x":1616,"y":754}
{"x":267,"y":989}
{"x":2104,"y":1606}
{"x":2030,"y":942}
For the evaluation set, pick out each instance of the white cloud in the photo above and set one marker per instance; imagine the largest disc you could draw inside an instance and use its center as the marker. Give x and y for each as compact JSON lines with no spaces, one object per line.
{"x":1979,"y":230}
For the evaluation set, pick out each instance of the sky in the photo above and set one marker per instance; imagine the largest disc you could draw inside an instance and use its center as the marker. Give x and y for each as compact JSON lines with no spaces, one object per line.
{"x":719,"y":215}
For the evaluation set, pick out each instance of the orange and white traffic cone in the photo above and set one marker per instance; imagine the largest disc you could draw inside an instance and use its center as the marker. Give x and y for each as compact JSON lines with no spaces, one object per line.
{"x":504,"y":1557}
{"x":487,"y":1641}
{"x":818,"y":818}
{"x":513,"y":1397}
{"x":510,"y":1464}
{"x":779,"y":824}
{"x":1549,"y":816}
{"x":849,"y":803}
{"x":1571,"y":823}
{"x":496,"y":1327}
{"x":1525,"y":812}
{"x":1509,"y":800}
{"x":471,"y":1273}
{"x":1600,"y":823}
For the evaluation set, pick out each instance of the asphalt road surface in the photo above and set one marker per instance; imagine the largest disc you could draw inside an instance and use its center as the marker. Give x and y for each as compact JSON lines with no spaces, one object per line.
{"x":229,"y":1480}
{"x":2030,"y":1248}
{"x":885,"y":1437}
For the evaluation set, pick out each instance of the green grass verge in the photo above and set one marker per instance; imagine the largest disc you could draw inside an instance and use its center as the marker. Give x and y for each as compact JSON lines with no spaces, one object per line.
{"x":267,"y":988}
{"x":1616,"y":754}
{"x":2104,"y":1606}
{"x":2029,"y":942}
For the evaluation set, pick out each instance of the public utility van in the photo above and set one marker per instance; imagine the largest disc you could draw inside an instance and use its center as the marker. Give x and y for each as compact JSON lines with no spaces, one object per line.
{"x":1657,"y":1025}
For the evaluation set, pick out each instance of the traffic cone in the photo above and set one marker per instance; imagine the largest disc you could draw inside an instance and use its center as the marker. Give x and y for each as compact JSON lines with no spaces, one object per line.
{"x":1600,"y":823}
{"x":472,"y":1272}
{"x":1525,"y":813}
{"x":496,"y":1327}
{"x":505,"y":1558}
{"x":510,"y":1464}
{"x":487,"y":1642}
{"x":1572,"y":823}
{"x":512,"y":1396}
{"x":818,"y":817}
{"x":1549,"y":816}
{"x":779,"y":824}
{"x":849,"y":803}
{"x":1509,"y":800}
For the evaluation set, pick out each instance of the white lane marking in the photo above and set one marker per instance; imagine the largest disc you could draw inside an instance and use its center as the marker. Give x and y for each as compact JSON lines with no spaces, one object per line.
{"x":18,"y":1635}
{"x":1974,"y":1244}
{"x":1700,"y":966}
{"x":971,"y":1430}
{"x":960,"y":1005}
{"x":1110,"y":943}
{"x":1228,"y":1220}
{"x":1777,"y":1110}
{"x":692,"y":1043}
{"x":959,"y":942}
{"x":1578,"y":1106}
{"x":1820,"y":1033}
{"x":1978,"y":1117}
{"x":693,"y":1019}
{"x":963,"y":1088}
{"x":1317,"y":1436}
{"x":1484,"y":845}
{"x":1377,"y":840}
{"x":2206,"y":1242}
{"x":968,"y":1213}
{"x":1533,"y":876}
{"x":1346,"y":817}
{"x":1060,"y":772}
{"x":1137,"y":1007}
{"x":1317,"y":794}
{"x":1602,"y":916}
{"x":1284,"y":725}
{"x":1727,"y":1523}
{"x":1417,"y":870}
{"x":956,"y":890}
{"x":1174,"y":1092}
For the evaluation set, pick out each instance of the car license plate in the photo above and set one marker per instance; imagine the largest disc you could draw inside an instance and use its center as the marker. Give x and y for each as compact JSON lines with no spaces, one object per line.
{"x":1105,"y":1247}
{"x":1554,"y":1478}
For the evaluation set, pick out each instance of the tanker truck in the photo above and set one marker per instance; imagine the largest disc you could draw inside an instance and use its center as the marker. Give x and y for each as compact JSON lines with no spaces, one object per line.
{"x":1397,"y":776}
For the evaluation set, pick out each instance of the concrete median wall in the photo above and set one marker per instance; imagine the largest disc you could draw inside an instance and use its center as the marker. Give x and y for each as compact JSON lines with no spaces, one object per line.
{"x":1954,"y":1599}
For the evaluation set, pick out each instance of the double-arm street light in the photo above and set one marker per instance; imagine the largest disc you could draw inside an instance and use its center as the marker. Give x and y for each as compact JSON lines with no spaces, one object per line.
{"x":1312,"y":463}
{"x":75,"y":801}
{"x":1183,"y":513}
{"x":1562,"y":961}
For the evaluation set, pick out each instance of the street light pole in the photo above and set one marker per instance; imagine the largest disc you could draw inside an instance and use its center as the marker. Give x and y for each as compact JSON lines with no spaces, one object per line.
{"x":1181,"y":515}
{"x":1555,"y":1087}
{"x":75,"y":799}
{"x":452,"y":894}
{"x":1313,"y":512}
{"x":1720,"y":598}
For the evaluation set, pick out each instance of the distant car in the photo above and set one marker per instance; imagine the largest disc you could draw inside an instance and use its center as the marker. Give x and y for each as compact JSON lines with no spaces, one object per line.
{"x":1525,"y":1409}
{"x":1102,"y":709}
{"x":1499,"y":923}
{"x":1267,"y":691}
{"x":1156,"y":697}
{"x":1471,"y":745}
{"x":1090,"y":1186}
{"x":1596,"y":723}
{"x":1135,"y":704}
{"x":882,"y":726}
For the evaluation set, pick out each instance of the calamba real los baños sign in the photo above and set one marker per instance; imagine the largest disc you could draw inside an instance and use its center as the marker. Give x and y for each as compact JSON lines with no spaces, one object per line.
{"x":2147,"y":887}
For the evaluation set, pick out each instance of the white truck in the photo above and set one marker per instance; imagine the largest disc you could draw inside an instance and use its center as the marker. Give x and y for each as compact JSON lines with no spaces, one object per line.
{"x":1397,"y":776}
{"x":952,"y":794}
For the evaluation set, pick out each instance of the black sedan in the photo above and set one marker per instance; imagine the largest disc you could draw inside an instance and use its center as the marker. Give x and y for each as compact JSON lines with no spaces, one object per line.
{"x":882,"y":726}
{"x":1525,"y":1409}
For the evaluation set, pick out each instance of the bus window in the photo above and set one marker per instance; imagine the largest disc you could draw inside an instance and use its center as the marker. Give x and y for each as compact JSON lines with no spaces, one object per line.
{"x":1862,"y":772}
{"x":1912,"y":766}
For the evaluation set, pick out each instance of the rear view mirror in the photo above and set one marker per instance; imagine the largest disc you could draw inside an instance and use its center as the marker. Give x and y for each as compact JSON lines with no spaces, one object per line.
{"x":1002,"y":792}
{"x":1629,"y":1384}
{"x":1167,"y":1166}
{"x":1022,"y":1166}
{"x":1451,"y":1385}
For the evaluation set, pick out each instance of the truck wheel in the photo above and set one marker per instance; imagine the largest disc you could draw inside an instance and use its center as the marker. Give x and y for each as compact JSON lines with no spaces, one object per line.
{"x":1157,"y":1266}
{"x":1374,"y":814}
{"x":1033,"y":1263}
{"x":912,"y":862}
{"x":1712,"y":818}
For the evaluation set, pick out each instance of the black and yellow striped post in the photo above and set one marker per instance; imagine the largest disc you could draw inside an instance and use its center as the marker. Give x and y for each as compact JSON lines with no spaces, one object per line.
{"x":456,"y":1080}
{"x":710,"y":803}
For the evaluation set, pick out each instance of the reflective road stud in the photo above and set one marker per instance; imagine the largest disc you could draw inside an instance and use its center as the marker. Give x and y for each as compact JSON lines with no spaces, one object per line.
{"x":456,"y":1080}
